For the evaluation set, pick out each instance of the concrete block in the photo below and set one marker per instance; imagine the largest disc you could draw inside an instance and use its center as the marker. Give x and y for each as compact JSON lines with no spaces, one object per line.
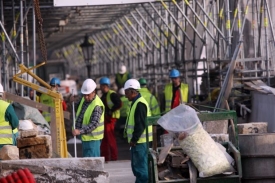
{"x":32,"y":141}
{"x":37,"y":151}
{"x":9,"y":152}
{"x":220,"y":138}
{"x":67,"y":170}
{"x":216,"y":127}
{"x":252,"y":127}
{"x":28,"y":133}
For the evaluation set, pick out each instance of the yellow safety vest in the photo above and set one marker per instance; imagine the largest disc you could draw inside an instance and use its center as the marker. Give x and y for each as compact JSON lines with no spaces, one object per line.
{"x":96,"y":134}
{"x":130,"y":123}
{"x":122,"y":79}
{"x":5,"y":127}
{"x":124,"y":110}
{"x":110,"y":104}
{"x":168,"y":92}
{"x":151,"y":100}
{"x":49,"y":101}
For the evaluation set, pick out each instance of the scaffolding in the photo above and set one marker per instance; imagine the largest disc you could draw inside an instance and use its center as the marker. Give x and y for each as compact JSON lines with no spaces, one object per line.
{"x":233,"y":37}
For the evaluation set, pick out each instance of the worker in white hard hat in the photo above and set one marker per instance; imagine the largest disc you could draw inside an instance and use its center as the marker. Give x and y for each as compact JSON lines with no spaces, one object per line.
{"x":89,"y":121}
{"x":122,"y":76}
{"x":8,"y":121}
{"x":135,"y":130}
{"x":124,"y":111}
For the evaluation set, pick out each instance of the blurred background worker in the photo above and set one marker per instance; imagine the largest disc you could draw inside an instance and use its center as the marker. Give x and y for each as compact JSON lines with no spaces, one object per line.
{"x":176,"y":92}
{"x":48,"y":100}
{"x":89,"y":121}
{"x":135,"y":129}
{"x":8,"y":121}
{"x":112,"y":103}
{"x":149,"y":97}
{"x":124,"y":110}
{"x":122,"y":76}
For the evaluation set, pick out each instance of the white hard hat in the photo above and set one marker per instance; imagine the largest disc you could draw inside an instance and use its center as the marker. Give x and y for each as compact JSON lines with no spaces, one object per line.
{"x":121,"y":91}
{"x":88,"y":86}
{"x":132,"y":83}
{"x":1,"y":88}
{"x":122,"y":69}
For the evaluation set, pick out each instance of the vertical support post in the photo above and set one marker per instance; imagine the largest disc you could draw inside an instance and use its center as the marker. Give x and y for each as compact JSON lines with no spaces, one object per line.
{"x":21,"y":40}
{"x":34,"y":43}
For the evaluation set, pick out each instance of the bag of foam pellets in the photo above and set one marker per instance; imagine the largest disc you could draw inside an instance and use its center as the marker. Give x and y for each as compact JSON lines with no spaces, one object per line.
{"x":195,"y":141}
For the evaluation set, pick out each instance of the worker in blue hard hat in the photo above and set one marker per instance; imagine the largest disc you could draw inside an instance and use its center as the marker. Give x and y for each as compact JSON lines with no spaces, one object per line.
{"x":112,"y":103}
{"x":48,"y":100}
{"x":175,"y":92}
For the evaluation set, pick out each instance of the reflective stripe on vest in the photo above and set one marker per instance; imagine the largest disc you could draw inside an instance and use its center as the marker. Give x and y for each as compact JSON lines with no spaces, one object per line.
{"x":5,"y":127}
{"x":47,"y":100}
{"x":168,"y":92}
{"x":130,"y":123}
{"x":96,"y":134}
{"x":110,"y":104}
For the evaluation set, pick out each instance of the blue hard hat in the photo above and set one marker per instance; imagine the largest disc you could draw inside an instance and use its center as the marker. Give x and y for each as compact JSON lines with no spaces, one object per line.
{"x":104,"y":81}
{"x":174,"y":73}
{"x":55,"y":81}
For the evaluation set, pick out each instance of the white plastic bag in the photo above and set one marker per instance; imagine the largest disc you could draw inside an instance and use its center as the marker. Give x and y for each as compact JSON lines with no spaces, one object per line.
{"x":204,"y":153}
{"x":196,"y":142}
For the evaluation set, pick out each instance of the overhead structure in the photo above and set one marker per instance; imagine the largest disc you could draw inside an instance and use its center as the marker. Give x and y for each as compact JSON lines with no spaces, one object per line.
{"x":231,"y":37}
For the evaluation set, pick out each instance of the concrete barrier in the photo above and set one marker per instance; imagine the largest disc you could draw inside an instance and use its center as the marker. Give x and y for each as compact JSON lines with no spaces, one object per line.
{"x":71,"y":170}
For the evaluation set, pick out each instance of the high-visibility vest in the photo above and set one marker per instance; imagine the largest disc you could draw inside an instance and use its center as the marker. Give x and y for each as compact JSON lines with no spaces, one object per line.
{"x":49,"y":101}
{"x":97,"y":133}
{"x":124,"y":110}
{"x":121,"y":79}
{"x":5,"y":127}
{"x":130,"y":123}
{"x":151,"y":100}
{"x":110,"y":104}
{"x":168,"y":92}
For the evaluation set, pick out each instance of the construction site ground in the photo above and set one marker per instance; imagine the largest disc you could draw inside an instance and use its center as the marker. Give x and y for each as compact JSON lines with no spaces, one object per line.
{"x":119,"y":171}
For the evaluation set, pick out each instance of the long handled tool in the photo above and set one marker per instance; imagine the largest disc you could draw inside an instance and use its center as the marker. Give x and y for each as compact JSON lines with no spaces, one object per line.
{"x":75,"y":153}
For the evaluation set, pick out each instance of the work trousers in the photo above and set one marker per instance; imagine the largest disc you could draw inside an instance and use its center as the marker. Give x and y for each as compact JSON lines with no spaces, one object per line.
{"x":139,"y":162}
{"x":91,"y":148}
{"x":108,"y":146}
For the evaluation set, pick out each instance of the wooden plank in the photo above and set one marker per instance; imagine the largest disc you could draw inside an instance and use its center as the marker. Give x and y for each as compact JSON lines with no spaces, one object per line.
{"x":259,"y":83}
{"x":250,"y":84}
{"x":163,"y":153}
{"x":31,"y":103}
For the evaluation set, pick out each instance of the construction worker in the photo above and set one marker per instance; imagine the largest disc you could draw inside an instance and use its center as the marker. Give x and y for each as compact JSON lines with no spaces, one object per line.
{"x":48,"y":100}
{"x":124,"y":110}
{"x":176,"y":92}
{"x":112,"y":103}
{"x":89,"y":120}
{"x":149,"y":97}
{"x":122,"y":76}
{"x":135,"y":130}
{"x":8,"y":121}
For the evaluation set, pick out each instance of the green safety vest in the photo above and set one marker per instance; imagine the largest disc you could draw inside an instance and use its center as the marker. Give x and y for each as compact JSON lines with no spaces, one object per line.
{"x":168,"y":92}
{"x":151,"y":100}
{"x":96,"y":134}
{"x":110,"y":104}
{"x":49,"y":101}
{"x":124,"y":110}
{"x":130,"y":123}
{"x":122,"y":79}
{"x":5,"y":127}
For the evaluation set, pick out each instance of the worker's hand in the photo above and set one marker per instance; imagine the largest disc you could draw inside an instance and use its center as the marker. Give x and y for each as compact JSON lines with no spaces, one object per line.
{"x":182,"y":135}
{"x":132,"y":144}
{"x":76,"y":132}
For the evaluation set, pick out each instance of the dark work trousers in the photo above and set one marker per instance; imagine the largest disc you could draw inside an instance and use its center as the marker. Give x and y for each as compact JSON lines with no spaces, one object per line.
{"x":139,"y":162}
